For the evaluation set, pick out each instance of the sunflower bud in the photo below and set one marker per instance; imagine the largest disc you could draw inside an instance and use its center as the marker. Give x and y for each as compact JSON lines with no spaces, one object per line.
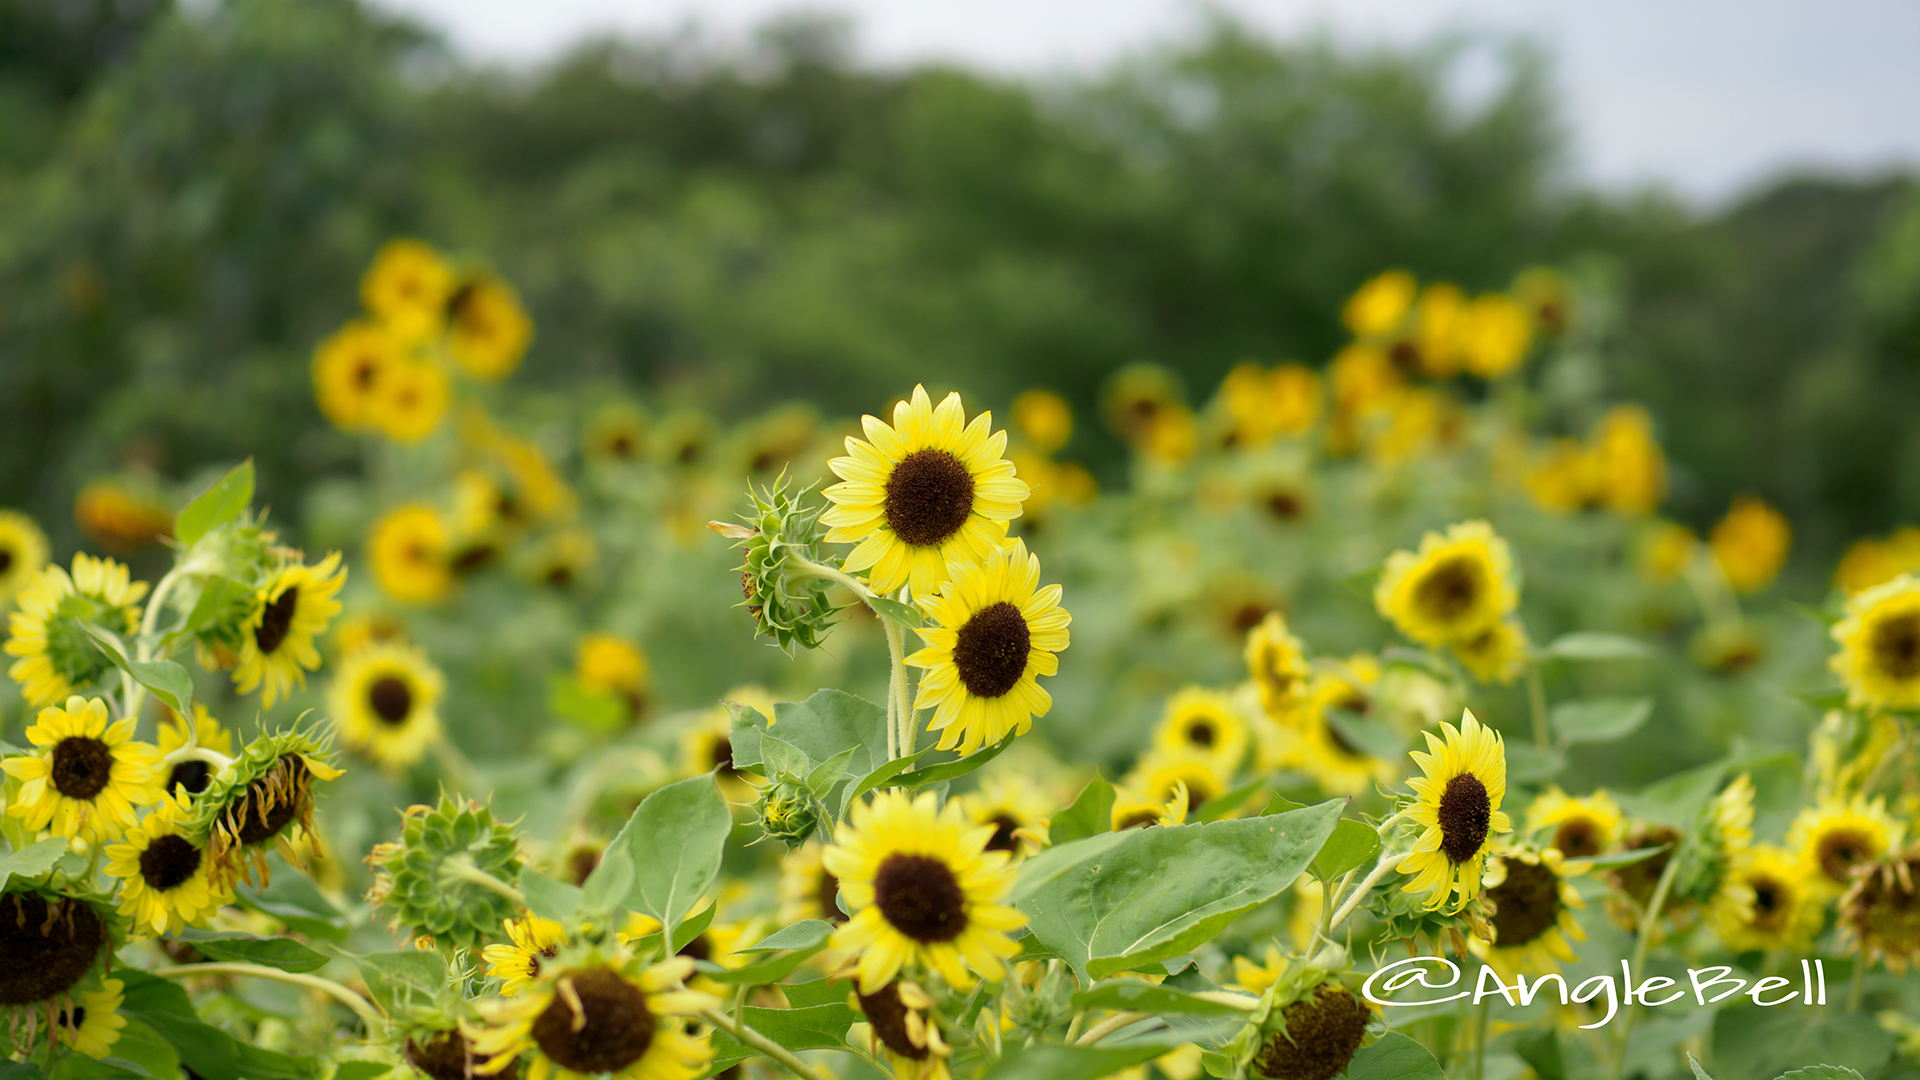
{"x":1308,"y":1023}
{"x":434,"y":878}
{"x":789,"y":813}
{"x":788,"y":607}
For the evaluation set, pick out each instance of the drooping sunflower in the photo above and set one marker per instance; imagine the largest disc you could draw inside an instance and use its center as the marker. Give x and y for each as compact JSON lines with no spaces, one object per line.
{"x":900,"y":1019}
{"x":164,"y":874}
{"x":93,"y":1026}
{"x":1772,"y":904}
{"x":279,"y":647}
{"x":1879,"y":657}
{"x":57,"y":658}
{"x":384,"y":701}
{"x":349,"y":370}
{"x":993,"y":631}
{"x":487,"y":329}
{"x":535,"y":941}
{"x":1278,"y":664}
{"x":1583,"y":826}
{"x":1452,"y":588}
{"x":1533,"y":904}
{"x":265,"y":795}
{"x":89,"y":776}
{"x":1835,"y":836}
{"x":1204,"y":722}
{"x":1017,"y":811}
{"x":407,"y":288}
{"x":923,"y":889}
{"x":408,"y":548}
{"x":1495,"y":655}
{"x":1880,"y":913}
{"x":23,"y":551}
{"x":1457,"y":806}
{"x":192,"y":775}
{"x":930,"y":490}
{"x":600,"y":1019}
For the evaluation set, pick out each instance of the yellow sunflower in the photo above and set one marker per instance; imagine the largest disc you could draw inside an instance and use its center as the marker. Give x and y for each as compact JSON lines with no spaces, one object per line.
{"x":1457,"y":805}
{"x":1495,"y":334}
{"x":1835,"y":836}
{"x":291,"y":613}
{"x":1452,"y":588}
{"x":1161,"y":774}
{"x":487,"y":329}
{"x":1751,"y":544}
{"x":119,"y":517}
{"x":807,"y":889}
{"x":192,"y":775}
{"x":1879,"y":657}
{"x":1337,"y":765}
{"x":900,"y":1019}
{"x":408,"y":549}
{"x":1044,"y":419}
{"x":1497,"y":654}
{"x":410,"y":401}
{"x":1533,"y":905}
{"x":1381,"y":304}
{"x":89,"y":775}
{"x":930,"y":490}
{"x":1017,"y":811}
{"x":1278,"y":663}
{"x":163,"y":873}
{"x":57,"y":658}
{"x":600,"y":1020}
{"x":1256,"y":978}
{"x":613,"y":665}
{"x":617,"y":433}
{"x":922,"y":889}
{"x":383,"y":700}
{"x":94,"y":1025}
{"x":1666,"y":549}
{"x":535,"y":941}
{"x":1204,"y":722}
{"x":1772,"y":903}
{"x":407,"y":289}
{"x":350,"y":370}
{"x":1583,"y":826}
{"x":1133,"y":810}
{"x":23,"y":551}
{"x":994,"y":632}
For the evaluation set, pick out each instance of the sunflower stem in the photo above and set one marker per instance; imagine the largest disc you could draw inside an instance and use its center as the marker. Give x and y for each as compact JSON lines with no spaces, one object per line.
{"x":1649,"y":921}
{"x":190,"y":752}
{"x":1857,"y":985}
{"x":365,"y":1009}
{"x":462,"y":868}
{"x":1484,"y":1014}
{"x":1110,"y":1025}
{"x":1388,"y":863}
{"x":750,"y":1037}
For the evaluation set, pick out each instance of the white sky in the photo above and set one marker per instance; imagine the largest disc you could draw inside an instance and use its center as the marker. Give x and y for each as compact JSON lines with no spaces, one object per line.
{"x":1706,"y":97}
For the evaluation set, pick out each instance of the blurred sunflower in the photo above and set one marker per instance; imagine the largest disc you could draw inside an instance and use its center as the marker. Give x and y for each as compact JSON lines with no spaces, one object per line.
{"x":617,"y":433}
{"x":1496,"y":654}
{"x":408,"y":549}
{"x":292,"y":612}
{"x":1278,"y":663}
{"x":165,"y":887}
{"x":1017,"y":811}
{"x":600,"y":1020}
{"x":119,"y":517}
{"x":1880,"y":913}
{"x":807,"y":890}
{"x":93,"y":1025}
{"x":1322,"y":752}
{"x":609,"y":664}
{"x":487,"y":329}
{"x":1879,"y":656}
{"x":1666,"y":549}
{"x":407,"y":289}
{"x":1160,"y":775}
{"x":1495,"y":336}
{"x":1380,"y":304}
{"x":57,"y":657}
{"x":1751,"y":544}
{"x":1457,"y":805}
{"x":192,"y":775}
{"x":350,"y":370}
{"x":88,"y":776}
{"x":23,"y":552}
{"x":1453,"y":587}
{"x":1772,"y":905}
{"x":1044,"y":419}
{"x":1204,"y":722}
{"x":1583,"y":826}
{"x":409,"y":401}
{"x":1632,"y":468}
{"x":1533,"y":904}
{"x":1833,"y":837}
{"x":534,"y":941}
{"x":899,"y":1018}
{"x":1134,"y":810}
{"x":928,"y":490}
{"x":923,"y":889}
{"x":383,"y":699}
{"x":707,"y":746}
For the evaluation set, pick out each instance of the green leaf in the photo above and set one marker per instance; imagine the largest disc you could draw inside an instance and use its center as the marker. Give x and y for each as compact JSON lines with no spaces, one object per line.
{"x":20,"y":1070}
{"x":276,"y":952}
{"x":1072,"y":1062}
{"x":1615,"y":859}
{"x":828,"y":773}
{"x":817,"y":992}
{"x":880,"y":777}
{"x":81,"y":1067}
{"x":210,"y":1052}
{"x":1394,"y":1057}
{"x":1122,"y":995}
{"x":218,"y":594}
{"x":1591,"y":645}
{"x":1698,"y":1072}
{"x":666,"y":857}
{"x":952,"y":770}
{"x":1117,"y":900}
{"x":32,"y":860}
{"x":1375,"y":738}
{"x":168,"y":680}
{"x":361,"y":1070}
{"x":1227,"y":802}
{"x":822,"y":726}
{"x":1752,"y":1041}
{"x":1527,"y":762}
{"x":1090,"y":814}
{"x":549,"y":899}
{"x":1601,"y":719}
{"x":216,"y":506}
{"x":811,"y":1027}
{"x":1822,"y":1072}
{"x":895,"y":611}
{"x":141,"y":1047}
{"x":1541,"y":1050}
{"x":396,"y":980}
{"x":296,"y":901}
{"x":801,"y":935}
{"x":794,"y":944}
{"x":1352,"y":845}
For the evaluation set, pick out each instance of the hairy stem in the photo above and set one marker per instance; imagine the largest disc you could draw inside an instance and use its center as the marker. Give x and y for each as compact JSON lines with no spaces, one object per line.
{"x":1110,"y":1025}
{"x":1388,"y":863}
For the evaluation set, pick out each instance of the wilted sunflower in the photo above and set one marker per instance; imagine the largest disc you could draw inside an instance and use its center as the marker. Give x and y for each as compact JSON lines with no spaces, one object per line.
{"x":408,"y":548}
{"x":1452,"y":588}
{"x":1533,"y":904}
{"x":1496,"y":654}
{"x":1835,"y":836}
{"x":923,"y":889}
{"x":1879,"y":657}
{"x":535,"y":941}
{"x":1583,"y":826}
{"x":350,"y":370}
{"x":929,"y":490}
{"x":993,"y":632}
{"x":448,"y":1055}
{"x":1204,"y":722}
{"x":89,"y":776}
{"x":600,"y":1020}
{"x":57,"y":658}
{"x":256,"y":799}
{"x":487,"y":329}
{"x":383,"y":700}
{"x":1278,"y":664}
{"x":900,"y":1019}
{"x":192,"y":775}
{"x":1772,"y":904}
{"x":165,"y":885}
{"x":407,"y":288}
{"x":93,"y":1026}
{"x":1457,"y":805}
{"x":23,"y":551}
{"x":1880,"y":914}
{"x":279,"y":647}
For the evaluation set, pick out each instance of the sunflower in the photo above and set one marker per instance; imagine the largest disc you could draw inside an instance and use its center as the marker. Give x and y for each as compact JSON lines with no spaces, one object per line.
{"x":707,"y":745}
{"x":165,"y":886}
{"x":1133,"y":810}
{"x":1381,"y":304}
{"x":350,"y":370}
{"x":120,"y":518}
{"x":383,"y":699}
{"x":930,"y":490}
{"x":600,"y":1020}
{"x":807,"y":889}
{"x":900,"y":1019}
{"x":1017,"y":811}
{"x":614,"y":665}
{"x":1666,"y":549}
{"x":192,"y":775}
{"x":48,"y":943}
{"x":1452,"y":588}
{"x":922,"y":888}
{"x":266,"y":794}
{"x":535,"y":941}
{"x":1160,"y":774}
{"x":90,"y":777}
{"x":994,"y":632}
{"x":1533,"y":904}
{"x":410,"y":401}
{"x":23,"y":551}
{"x":1880,"y":913}
{"x":1495,"y":334}
{"x":1497,"y":654}
{"x":446,"y":1054}
{"x":57,"y":658}
{"x":1633,"y":468}
{"x":408,"y":548}
{"x":1772,"y":904}
{"x":617,"y":433}
{"x":563,"y":558}
{"x":487,"y":329}
{"x":1207,"y":723}
{"x":1583,"y":826}
{"x":94,"y":1025}
{"x":1750,"y":544}
{"x":1835,"y":836}
{"x":1044,"y":419}
{"x":1278,"y":663}
{"x":293,"y":609}
{"x":1879,"y":657}
{"x":1457,"y":805}
{"x":1256,"y":978}
{"x":407,"y":289}
{"x":1322,"y":752}
{"x":355,"y":632}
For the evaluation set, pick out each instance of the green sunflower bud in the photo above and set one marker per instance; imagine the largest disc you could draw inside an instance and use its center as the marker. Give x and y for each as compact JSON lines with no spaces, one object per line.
{"x":450,"y":876}
{"x":789,"y":813}
{"x":792,"y":608}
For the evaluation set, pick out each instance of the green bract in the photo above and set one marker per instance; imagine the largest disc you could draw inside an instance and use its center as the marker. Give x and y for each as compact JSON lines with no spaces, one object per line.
{"x":450,"y":876}
{"x":787,"y":605}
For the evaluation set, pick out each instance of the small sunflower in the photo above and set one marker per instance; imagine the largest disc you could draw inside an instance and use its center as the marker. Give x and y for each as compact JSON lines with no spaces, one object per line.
{"x":1457,"y":806}
{"x":1751,"y":544}
{"x":1017,"y":811}
{"x":384,"y":700}
{"x":294,"y":607}
{"x":994,"y":632}
{"x":1533,"y":904}
{"x":193,"y":775}
{"x":808,"y":890}
{"x":1207,"y":723}
{"x":57,"y":658}
{"x":1044,"y":419}
{"x":1278,"y":663}
{"x":535,"y":941}
{"x":350,"y":370}
{"x":1772,"y":904}
{"x":48,"y":943}
{"x":1159,"y":773}
{"x":900,"y":1019}
{"x":487,"y":329}
{"x":1583,"y":826}
{"x":1835,"y":836}
{"x":923,"y":889}
{"x":165,"y":886}
{"x":1879,"y":657}
{"x":410,"y":402}
{"x":707,"y":745}
{"x":23,"y":551}
{"x":94,"y":1025}
{"x":1452,"y":588}
{"x":930,"y":490}
{"x":1497,"y":654}
{"x":446,"y":1054}
{"x":1337,"y":765}
{"x":1133,"y":810}
{"x":1880,"y":913}
{"x":1380,"y":305}
{"x":90,"y":776}
{"x":600,"y":1020}
{"x":613,"y":665}
{"x":617,"y":434}
{"x":407,"y":288}
{"x":408,"y":548}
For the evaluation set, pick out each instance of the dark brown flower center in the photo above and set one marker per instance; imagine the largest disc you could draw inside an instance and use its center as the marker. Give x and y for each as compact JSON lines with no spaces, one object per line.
{"x":698,"y":949}
{"x":1638,"y":879}
{"x":191,"y":776}
{"x":276,"y":620}
{"x":1200,"y":732}
{"x":391,"y":699}
{"x":1526,"y":904}
{"x":1771,"y":901}
{"x":1004,"y":826}
{"x":1449,"y":590}
{"x":1321,"y":1034}
{"x":1285,"y":505}
{"x":271,"y":801}
{"x":1841,"y":850}
{"x":827,"y":890}
{"x":6,"y":559}
{"x":473,"y":557}
{"x":921,"y":897}
{"x":45,"y":948}
{"x":169,"y":862}
{"x":80,"y":767}
{"x":990,"y":651}
{"x":1139,"y":819}
{"x":720,"y":756}
{"x":448,"y":1056}
{"x":581,"y":862}
{"x":1466,"y":815}
{"x":888,"y":1016}
{"x":929,"y":496}
{"x":1578,"y":838}
{"x":1896,"y":645}
{"x":610,"y":1031}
